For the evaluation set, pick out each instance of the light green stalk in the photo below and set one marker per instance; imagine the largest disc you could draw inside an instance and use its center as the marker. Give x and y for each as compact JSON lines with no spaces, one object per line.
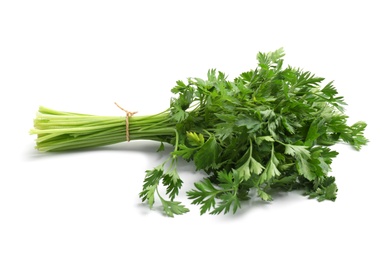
{"x":61,"y":131}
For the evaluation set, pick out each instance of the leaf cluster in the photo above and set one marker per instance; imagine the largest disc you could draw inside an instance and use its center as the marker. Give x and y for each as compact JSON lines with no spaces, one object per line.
{"x":270,"y":128}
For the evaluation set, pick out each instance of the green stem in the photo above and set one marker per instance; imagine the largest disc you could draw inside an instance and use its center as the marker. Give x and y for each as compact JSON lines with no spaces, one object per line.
{"x":61,"y":131}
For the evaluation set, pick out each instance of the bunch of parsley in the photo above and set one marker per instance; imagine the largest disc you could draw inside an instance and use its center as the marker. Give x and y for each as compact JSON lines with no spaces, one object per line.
{"x":268,"y":129}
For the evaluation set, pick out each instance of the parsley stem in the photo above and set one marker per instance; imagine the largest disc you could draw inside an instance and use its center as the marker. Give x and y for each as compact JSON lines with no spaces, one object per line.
{"x":61,"y":131}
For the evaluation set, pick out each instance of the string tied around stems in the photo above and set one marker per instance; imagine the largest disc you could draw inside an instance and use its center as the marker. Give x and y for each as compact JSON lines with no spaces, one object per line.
{"x":128,"y":115}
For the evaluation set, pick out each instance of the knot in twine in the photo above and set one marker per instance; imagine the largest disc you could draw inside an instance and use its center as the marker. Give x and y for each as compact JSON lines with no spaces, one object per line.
{"x":128,"y":115}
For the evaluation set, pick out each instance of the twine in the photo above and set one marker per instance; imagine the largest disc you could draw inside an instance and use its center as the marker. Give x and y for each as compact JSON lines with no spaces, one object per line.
{"x":128,"y":115}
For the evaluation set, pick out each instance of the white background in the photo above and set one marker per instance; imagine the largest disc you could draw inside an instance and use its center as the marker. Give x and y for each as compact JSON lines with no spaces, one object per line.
{"x":82,"y":56}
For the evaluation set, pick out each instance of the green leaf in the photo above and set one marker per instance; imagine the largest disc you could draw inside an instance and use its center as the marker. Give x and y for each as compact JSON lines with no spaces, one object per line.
{"x":217,"y":200}
{"x":316,"y":130}
{"x":179,"y":115}
{"x":271,"y":169}
{"x":249,"y":166}
{"x":321,"y":159}
{"x":297,"y":150}
{"x":172,"y":208}
{"x":330,"y":93}
{"x":152,"y":177}
{"x":184,"y":152}
{"x":354,"y":135}
{"x":287,"y":126}
{"x":276,"y":55}
{"x":180,"y":87}
{"x":226,"y":117}
{"x":302,"y":156}
{"x":329,"y":90}
{"x":161,"y":147}
{"x":326,"y":191}
{"x":250,"y":123}
{"x":224,"y":130}
{"x":151,"y":182}
{"x":260,"y":139}
{"x":267,"y":58}
{"x":173,"y":182}
{"x":255,"y":166}
{"x":228,"y":200}
{"x":204,"y":194}
{"x":147,"y":194}
{"x":303,"y":167}
{"x":244,"y":170}
{"x":195,"y":139}
{"x":263,"y":195}
{"x":207,"y":155}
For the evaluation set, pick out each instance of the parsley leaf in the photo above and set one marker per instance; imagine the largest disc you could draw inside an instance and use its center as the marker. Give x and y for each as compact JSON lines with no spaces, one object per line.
{"x":217,"y":200}
{"x":207,"y":155}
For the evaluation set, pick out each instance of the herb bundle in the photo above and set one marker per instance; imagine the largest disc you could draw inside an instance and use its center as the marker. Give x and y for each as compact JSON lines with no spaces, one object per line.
{"x":269,"y":129}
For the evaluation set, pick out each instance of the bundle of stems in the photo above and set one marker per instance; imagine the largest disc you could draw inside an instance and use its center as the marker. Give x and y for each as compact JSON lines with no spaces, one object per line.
{"x":62,"y":131}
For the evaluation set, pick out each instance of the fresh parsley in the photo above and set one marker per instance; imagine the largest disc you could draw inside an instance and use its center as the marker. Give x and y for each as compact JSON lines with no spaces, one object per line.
{"x":270,"y":128}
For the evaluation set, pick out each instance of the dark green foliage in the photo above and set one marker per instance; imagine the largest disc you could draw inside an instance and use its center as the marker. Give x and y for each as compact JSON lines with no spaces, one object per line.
{"x":269,"y":128}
